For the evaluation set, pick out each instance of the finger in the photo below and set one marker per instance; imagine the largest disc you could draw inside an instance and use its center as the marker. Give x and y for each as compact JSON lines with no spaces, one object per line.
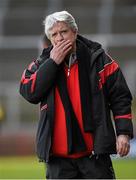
{"x":121,"y":148}
{"x":68,"y":49}
{"x":63,"y":43}
{"x":126,"y":149}
{"x":117,"y":147}
{"x":60,"y":43}
{"x":61,"y":47}
{"x":69,"y":45}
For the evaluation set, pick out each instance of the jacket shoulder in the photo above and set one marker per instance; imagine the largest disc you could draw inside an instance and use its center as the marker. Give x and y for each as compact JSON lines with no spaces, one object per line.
{"x":44,"y":55}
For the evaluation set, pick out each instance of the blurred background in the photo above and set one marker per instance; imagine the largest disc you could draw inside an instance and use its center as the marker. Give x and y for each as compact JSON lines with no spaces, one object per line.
{"x":110,"y":22}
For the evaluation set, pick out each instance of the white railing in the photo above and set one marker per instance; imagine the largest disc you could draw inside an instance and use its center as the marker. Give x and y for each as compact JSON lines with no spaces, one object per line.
{"x":30,"y":42}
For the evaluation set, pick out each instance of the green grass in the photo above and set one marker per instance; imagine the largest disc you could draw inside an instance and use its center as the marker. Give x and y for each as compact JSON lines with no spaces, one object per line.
{"x":30,"y":168}
{"x":125,"y":168}
{"x":21,"y":168}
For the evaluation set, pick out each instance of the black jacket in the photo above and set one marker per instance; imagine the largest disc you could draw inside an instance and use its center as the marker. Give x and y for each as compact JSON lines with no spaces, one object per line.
{"x":108,"y":94}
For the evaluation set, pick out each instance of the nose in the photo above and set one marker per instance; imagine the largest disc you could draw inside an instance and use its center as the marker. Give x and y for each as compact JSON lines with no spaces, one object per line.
{"x":59,"y":37}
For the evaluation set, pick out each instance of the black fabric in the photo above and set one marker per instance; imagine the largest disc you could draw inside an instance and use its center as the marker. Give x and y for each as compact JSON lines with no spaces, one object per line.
{"x":120,"y":123}
{"x":83,"y":57}
{"x":95,"y":167}
{"x":75,"y":139}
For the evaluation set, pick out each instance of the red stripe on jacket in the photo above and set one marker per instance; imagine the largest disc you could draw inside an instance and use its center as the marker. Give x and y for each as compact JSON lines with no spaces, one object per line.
{"x":25,"y":80}
{"x":126,"y":116}
{"x":108,"y":70}
{"x":59,"y":144}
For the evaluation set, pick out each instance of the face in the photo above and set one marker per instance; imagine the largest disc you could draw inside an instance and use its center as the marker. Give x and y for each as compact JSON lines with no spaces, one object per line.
{"x":61,"y":31}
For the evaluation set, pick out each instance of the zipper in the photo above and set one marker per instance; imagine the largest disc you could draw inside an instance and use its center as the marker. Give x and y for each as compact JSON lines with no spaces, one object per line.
{"x":68,"y":72}
{"x":69,"y":65}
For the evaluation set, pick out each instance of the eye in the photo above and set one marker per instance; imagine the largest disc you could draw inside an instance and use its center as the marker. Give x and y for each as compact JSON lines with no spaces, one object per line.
{"x":53,"y":35}
{"x":64,"y":31}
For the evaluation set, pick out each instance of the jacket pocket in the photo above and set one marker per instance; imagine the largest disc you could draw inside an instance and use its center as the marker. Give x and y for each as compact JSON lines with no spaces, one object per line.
{"x":42,"y":121}
{"x":43,"y":134}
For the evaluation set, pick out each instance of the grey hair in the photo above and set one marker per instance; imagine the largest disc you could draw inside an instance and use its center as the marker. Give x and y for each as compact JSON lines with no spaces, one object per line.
{"x":62,"y":16}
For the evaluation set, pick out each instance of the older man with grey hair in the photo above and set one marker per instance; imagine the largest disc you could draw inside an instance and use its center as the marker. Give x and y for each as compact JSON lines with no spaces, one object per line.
{"x":77,"y":85}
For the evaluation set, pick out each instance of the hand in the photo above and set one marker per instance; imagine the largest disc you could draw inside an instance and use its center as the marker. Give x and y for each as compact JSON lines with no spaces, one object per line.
{"x":59,"y":51}
{"x":122,"y":145}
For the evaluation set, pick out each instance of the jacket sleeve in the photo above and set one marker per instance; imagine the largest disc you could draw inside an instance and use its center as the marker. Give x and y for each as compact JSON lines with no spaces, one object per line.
{"x":119,"y":96}
{"x":37,"y":79}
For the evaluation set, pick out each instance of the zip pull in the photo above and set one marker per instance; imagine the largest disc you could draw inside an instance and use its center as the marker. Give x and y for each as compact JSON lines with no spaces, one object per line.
{"x":68,"y":72}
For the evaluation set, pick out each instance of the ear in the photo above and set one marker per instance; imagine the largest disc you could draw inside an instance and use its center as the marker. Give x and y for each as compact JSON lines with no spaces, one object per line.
{"x":76,"y":32}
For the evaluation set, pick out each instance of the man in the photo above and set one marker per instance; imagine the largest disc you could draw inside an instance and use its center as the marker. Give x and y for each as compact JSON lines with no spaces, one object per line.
{"x":77,"y":85}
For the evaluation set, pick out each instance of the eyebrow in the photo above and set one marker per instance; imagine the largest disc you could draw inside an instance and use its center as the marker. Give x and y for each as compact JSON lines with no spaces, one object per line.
{"x":62,"y":30}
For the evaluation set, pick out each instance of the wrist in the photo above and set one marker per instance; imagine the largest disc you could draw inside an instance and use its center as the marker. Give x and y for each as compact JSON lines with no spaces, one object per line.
{"x":124,"y":135}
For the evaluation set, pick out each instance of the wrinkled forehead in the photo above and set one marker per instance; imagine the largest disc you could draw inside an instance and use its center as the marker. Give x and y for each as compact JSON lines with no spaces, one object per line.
{"x":59,"y":25}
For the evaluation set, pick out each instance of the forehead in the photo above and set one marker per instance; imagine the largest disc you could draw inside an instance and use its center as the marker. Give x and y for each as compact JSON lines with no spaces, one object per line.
{"x":59,"y":26}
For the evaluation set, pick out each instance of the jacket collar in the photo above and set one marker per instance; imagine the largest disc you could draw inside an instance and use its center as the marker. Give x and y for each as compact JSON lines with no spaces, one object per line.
{"x":94,"y":48}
